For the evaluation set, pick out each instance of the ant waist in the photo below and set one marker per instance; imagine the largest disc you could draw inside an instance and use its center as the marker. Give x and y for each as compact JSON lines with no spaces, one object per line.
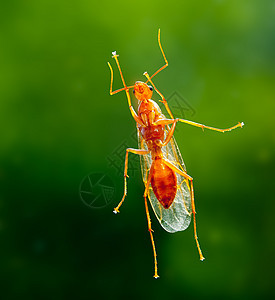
{"x":155,"y":147}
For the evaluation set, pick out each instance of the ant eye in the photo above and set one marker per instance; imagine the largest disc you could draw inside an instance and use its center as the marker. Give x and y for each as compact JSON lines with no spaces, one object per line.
{"x":133,"y":91}
{"x":150,"y":87}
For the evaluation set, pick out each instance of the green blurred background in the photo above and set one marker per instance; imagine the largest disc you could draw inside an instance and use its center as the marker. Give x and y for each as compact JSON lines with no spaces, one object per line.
{"x":59,"y":123}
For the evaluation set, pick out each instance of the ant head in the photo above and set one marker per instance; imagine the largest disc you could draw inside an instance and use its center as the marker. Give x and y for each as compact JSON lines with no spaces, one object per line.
{"x":142,"y":91}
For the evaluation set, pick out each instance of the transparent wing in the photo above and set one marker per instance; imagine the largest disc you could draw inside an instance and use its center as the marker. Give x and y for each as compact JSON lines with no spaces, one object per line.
{"x":178,"y":216}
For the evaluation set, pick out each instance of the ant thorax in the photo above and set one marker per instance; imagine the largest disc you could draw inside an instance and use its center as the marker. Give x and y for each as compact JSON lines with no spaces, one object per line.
{"x":149,"y":112}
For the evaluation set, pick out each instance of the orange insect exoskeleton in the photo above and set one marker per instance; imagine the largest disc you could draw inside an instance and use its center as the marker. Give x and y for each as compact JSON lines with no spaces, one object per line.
{"x":167,"y":184}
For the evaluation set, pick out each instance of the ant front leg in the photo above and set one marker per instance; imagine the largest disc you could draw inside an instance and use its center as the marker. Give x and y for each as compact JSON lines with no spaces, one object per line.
{"x":126,"y":88}
{"x":166,"y":62}
{"x":163,"y":100}
{"x":135,"y":151}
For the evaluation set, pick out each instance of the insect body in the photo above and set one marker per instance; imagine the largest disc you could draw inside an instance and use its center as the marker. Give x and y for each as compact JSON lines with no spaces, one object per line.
{"x":167,"y":184}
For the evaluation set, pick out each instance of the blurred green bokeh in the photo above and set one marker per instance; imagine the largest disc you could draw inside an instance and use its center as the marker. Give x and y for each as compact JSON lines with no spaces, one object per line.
{"x":59,"y":123}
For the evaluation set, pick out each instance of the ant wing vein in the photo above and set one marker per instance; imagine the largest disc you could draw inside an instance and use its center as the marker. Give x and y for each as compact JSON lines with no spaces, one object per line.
{"x":178,"y":216}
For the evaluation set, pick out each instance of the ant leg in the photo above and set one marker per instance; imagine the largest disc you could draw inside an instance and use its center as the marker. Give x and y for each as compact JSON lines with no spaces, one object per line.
{"x":170,"y":121}
{"x":135,"y":151}
{"x":112,"y":79}
{"x":149,"y":221}
{"x":115,"y":56}
{"x":211,"y":128}
{"x":194,"y":218}
{"x":163,"y":100}
{"x":126,"y":88}
{"x":152,"y":238}
{"x":166,"y":62}
{"x":186,"y":176}
{"x":170,"y":133}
